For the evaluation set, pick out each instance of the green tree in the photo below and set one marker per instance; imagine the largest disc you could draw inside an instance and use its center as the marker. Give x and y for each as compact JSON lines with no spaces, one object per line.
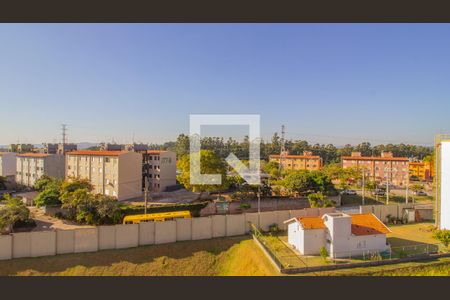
{"x":50,"y":191}
{"x":319,"y":200}
{"x":370,"y":185}
{"x":72,"y":184}
{"x":14,"y":211}
{"x":272,"y":169}
{"x":43,"y":182}
{"x":210,"y":163}
{"x":442,"y":235}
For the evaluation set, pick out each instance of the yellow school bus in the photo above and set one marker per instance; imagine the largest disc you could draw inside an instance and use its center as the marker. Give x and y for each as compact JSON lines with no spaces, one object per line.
{"x":165,"y":216}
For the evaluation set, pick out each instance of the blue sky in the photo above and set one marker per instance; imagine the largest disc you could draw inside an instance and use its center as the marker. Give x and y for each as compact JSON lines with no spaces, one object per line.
{"x":328,"y":83}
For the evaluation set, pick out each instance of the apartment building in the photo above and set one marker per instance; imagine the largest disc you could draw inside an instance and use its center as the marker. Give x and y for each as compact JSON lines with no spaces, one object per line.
{"x":420,"y":170}
{"x":58,"y":148}
{"x":307,"y":161}
{"x":8,"y":165}
{"x":380,"y":168}
{"x":31,"y":166}
{"x":21,"y":148}
{"x":140,"y":148}
{"x":160,"y":167}
{"x":111,"y":147}
{"x":112,"y":173}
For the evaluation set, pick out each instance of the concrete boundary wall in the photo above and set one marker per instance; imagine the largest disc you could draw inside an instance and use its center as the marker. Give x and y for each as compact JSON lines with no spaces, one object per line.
{"x":184,"y":229}
{"x":65,"y":241}
{"x":106,"y":237}
{"x":43,"y":243}
{"x":235,"y":225}
{"x":146,"y":233}
{"x":5,"y":247}
{"x":86,"y":240}
{"x":219,"y":226}
{"x":165,"y":232}
{"x":202,"y":228}
{"x":21,"y":244}
{"x":47,"y":243}
{"x":127,"y":236}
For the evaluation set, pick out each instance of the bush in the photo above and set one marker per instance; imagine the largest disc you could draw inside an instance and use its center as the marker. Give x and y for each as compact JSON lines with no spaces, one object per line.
{"x":442,"y":235}
{"x":274,"y":228}
{"x":324,"y":253}
{"x":319,"y":200}
{"x":244,"y":206}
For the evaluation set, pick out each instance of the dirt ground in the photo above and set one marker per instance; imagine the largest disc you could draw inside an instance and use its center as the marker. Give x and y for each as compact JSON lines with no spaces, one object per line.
{"x":44,"y":222}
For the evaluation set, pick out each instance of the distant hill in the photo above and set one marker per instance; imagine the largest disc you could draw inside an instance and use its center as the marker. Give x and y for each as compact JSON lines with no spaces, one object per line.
{"x":85,"y":145}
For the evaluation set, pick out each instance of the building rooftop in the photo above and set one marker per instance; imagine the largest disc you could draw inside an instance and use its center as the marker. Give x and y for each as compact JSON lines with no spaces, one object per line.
{"x":97,"y":152}
{"x":379,"y":158}
{"x":294,"y":156}
{"x":38,"y":155}
{"x":312,"y":222}
{"x":362,"y":224}
{"x":155,"y":152}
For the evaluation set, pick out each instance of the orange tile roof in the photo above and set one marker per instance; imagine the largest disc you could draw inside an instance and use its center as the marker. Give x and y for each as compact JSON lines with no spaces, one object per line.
{"x":366,"y":224}
{"x":379,"y":158}
{"x":155,"y":151}
{"x":362,"y":224}
{"x":295,"y":156}
{"x":312,"y":222}
{"x":33,"y":155}
{"x":97,"y":153}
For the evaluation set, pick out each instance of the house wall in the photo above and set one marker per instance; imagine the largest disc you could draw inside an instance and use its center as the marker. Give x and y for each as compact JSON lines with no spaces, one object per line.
{"x":7,"y":164}
{"x":130,"y":176}
{"x":363,"y":245}
{"x":313,"y":240}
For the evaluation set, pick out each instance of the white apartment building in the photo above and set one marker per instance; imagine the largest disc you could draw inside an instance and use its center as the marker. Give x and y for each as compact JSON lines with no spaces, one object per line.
{"x":113,"y":173}
{"x":161,"y":169}
{"x":8,"y":165}
{"x":31,"y":166}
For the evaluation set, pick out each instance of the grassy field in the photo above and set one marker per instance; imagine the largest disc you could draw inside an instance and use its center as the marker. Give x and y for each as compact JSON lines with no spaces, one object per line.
{"x":369,"y":199}
{"x":225,"y":256}
{"x":437,"y":267}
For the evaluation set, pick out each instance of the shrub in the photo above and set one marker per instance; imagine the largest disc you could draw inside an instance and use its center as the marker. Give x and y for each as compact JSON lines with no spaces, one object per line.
{"x":244,"y":206}
{"x":442,"y":235}
{"x":324,"y":253}
{"x":274,"y":228}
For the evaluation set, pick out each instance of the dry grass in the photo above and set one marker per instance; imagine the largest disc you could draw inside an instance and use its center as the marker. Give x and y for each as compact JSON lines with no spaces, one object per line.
{"x":225,"y":256}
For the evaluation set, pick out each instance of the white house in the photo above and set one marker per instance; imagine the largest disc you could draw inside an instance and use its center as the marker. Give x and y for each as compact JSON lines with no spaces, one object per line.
{"x":341,"y":234}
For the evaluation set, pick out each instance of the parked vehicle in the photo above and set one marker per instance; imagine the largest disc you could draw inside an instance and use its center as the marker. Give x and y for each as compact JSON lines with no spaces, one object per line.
{"x":165,"y":216}
{"x":420,"y":193}
{"x":349,"y":192}
{"x":379,"y":192}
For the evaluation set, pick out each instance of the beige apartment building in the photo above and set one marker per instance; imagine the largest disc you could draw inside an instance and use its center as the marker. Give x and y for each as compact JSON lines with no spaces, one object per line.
{"x":31,"y":166}
{"x":8,"y":165}
{"x":307,"y":161}
{"x":161,"y":169}
{"x":382,"y":168}
{"x":113,"y":173}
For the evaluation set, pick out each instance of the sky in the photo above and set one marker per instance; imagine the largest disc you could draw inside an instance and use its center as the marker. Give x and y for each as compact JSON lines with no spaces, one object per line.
{"x":327,"y":83}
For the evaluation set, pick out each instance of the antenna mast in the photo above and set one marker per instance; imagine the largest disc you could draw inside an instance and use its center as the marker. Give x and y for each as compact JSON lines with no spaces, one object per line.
{"x":64,"y":137}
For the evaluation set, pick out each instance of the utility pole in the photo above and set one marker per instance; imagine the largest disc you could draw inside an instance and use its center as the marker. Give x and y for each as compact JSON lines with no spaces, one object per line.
{"x":363,"y":185}
{"x":146,"y":192}
{"x":407,"y":188}
{"x":283,"y":148}
{"x":64,"y":137}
